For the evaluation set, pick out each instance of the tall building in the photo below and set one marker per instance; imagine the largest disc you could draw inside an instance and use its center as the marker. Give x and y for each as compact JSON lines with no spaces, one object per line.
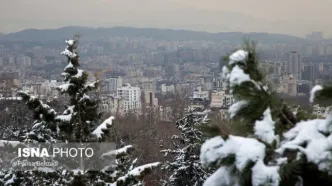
{"x":217,"y":83}
{"x":150,"y":99}
{"x":114,"y":83}
{"x":131,"y":96}
{"x":308,"y":72}
{"x":294,"y":64}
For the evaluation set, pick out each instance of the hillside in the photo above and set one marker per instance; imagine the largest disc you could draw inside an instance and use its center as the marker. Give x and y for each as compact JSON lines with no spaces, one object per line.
{"x":98,"y":34}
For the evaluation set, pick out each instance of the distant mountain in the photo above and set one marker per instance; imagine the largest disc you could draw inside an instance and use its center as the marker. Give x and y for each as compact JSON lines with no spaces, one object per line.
{"x":102,"y":34}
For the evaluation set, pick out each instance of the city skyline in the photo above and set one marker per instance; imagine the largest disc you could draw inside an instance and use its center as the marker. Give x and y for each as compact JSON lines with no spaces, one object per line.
{"x":285,"y":17}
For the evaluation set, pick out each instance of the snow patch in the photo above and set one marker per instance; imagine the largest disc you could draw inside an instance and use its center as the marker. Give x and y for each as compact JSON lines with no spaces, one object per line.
{"x":11,"y":180}
{"x":138,"y":171}
{"x":234,"y":108}
{"x":318,"y":148}
{"x":70,"y":65}
{"x":104,"y":126}
{"x":91,"y":85}
{"x":79,"y":73}
{"x":225,"y":73}
{"x":70,"y":42}
{"x":264,"y":129}
{"x":64,"y":118}
{"x":237,"y":76}
{"x":314,"y":91}
{"x":64,"y":87}
{"x":244,"y":149}
{"x":222,"y":177}
{"x":68,"y":53}
{"x":265,"y":175}
{"x":123,"y":150}
{"x":238,"y":56}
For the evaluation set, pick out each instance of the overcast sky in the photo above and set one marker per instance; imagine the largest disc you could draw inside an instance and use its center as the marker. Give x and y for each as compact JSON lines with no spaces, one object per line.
{"x":295,"y":17}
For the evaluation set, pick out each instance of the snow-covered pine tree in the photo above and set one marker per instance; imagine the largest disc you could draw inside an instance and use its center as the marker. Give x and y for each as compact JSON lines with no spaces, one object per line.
{"x":78,"y":123}
{"x":80,"y":117}
{"x":125,"y":173}
{"x":279,"y":149}
{"x":185,"y":167}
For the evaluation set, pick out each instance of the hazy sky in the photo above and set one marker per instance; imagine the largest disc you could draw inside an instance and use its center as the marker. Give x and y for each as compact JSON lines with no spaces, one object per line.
{"x":296,"y":17}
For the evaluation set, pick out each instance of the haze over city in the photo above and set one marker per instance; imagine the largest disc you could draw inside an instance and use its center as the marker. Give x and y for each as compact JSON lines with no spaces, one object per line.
{"x":165,"y":92}
{"x":293,"y":17}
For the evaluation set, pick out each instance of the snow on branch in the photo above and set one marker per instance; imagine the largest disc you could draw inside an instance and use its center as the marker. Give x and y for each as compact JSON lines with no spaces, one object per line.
{"x":225,"y":73}
{"x":222,"y":176}
{"x":121,"y":151}
{"x":37,"y":105}
{"x":64,"y":87}
{"x":99,"y":131}
{"x":245,"y":150}
{"x":91,"y":86}
{"x":67,"y":115}
{"x":64,"y":118}
{"x":314,"y":91}
{"x":265,"y":175}
{"x":79,"y":73}
{"x":84,"y":98}
{"x":238,"y":56}
{"x":68,"y":53}
{"x":264,"y":129}
{"x":234,"y":74}
{"x":316,"y":135}
{"x":70,"y":42}
{"x":237,"y":76}
{"x":234,"y":108}
{"x":69,"y":67}
{"x":11,"y":180}
{"x":136,"y":173}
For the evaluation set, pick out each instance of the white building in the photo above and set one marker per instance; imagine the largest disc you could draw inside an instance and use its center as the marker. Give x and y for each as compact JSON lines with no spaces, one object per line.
{"x":219,"y":99}
{"x":200,"y":93}
{"x":167,"y":88}
{"x":131,"y":96}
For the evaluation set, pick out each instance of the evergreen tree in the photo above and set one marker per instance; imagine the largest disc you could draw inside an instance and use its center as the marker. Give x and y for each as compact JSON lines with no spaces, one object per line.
{"x":280,"y":148}
{"x":125,"y":173}
{"x":185,"y":168}
{"x":78,"y":123}
{"x":81,"y":115}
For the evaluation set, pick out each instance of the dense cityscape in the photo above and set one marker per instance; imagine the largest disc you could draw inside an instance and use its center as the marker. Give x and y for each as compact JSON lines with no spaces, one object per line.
{"x":165,"y":93}
{"x":137,"y":70}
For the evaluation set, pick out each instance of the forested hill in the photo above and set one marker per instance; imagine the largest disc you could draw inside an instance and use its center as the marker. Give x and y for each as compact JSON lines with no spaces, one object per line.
{"x":97,"y":34}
